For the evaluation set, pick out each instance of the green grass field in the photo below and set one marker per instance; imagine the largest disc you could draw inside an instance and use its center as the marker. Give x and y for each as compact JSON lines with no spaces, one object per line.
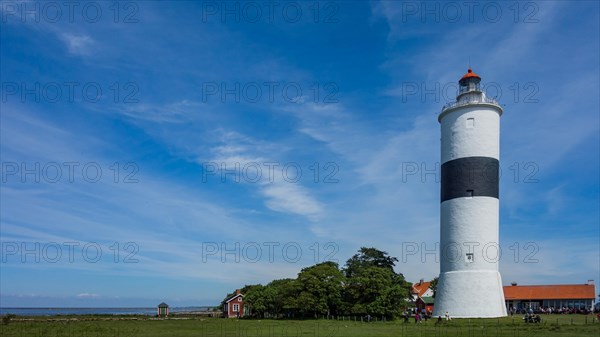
{"x":110,"y":326}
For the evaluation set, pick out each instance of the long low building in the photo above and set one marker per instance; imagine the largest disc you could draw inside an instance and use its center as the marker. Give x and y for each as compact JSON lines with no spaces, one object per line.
{"x":578,"y":296}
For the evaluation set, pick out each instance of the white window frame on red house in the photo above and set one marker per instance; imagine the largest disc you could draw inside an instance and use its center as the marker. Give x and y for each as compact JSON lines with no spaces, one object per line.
{"x":236,"y":307}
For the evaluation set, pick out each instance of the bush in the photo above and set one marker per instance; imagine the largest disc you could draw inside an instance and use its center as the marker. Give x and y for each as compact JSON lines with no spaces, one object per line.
{"x":7,"y":318}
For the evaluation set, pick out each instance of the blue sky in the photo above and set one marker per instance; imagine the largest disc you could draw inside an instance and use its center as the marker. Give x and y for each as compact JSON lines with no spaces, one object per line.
{"x":334,"y":105}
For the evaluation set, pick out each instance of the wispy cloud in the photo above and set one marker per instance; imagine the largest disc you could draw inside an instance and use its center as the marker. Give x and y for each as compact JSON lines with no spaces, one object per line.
{"x":80,"y":45}
{"x":177,"y":112}
{"x":281,"y":193}
{"x":87,"y":295}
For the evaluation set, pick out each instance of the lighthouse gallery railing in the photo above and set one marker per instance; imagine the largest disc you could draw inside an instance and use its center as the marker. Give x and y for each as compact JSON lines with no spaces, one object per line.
{"x":471,"y":101}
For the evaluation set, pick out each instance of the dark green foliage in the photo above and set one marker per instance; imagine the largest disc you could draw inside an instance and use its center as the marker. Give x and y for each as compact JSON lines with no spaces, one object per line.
{"x":369,"y":257}
{"x":320,"y":289}
{"x":6,"y":319}
{"x":276,"y":299}
{"x":368,"y":285}
{"x":433,"y":285}
{"x":372,"y":286}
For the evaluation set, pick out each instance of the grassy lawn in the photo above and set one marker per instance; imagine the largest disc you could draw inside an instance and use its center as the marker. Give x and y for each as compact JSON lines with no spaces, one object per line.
{"x":110,"y":326}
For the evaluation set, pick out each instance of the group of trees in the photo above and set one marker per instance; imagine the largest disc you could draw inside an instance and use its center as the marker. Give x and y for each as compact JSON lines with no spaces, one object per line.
{"x":366,"y":285}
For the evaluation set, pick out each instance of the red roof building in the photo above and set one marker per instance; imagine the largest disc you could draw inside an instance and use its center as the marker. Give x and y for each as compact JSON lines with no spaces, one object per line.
{"x":233,"y":307}
{"x":575,"y":296}
{"x":422,"y":289}
{"x":422,"y":295}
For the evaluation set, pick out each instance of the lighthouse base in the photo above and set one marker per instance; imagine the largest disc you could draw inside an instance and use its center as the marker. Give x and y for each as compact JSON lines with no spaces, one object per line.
{"x":470,"y":294}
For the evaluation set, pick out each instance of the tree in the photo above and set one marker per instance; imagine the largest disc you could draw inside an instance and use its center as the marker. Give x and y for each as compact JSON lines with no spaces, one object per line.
{"x":372,"y":285}
{"x":368,"y":284}
{"x":255,"y":299}
{"x":369,"y":257}
{"x":320,"y":289}
{"x":433,"y":285}
{"x":280,"y":296}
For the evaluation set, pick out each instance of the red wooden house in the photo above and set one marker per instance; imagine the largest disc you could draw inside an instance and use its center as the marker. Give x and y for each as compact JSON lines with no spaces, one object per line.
{"x":233,"y":307}
{"x":422,"y":296}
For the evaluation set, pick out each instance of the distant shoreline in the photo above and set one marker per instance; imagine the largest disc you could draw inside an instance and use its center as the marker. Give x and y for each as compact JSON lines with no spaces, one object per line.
{"x":101,"y":311}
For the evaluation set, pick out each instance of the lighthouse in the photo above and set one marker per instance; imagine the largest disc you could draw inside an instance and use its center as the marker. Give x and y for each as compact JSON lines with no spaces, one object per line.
{"x":469,"y":284}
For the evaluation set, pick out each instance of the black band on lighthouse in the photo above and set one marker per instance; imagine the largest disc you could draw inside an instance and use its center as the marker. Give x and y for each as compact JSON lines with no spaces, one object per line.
{"x":470,"y":177}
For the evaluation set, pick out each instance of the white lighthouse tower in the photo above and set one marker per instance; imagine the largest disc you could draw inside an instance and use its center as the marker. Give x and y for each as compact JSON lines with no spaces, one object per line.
{"x":469,"y":283}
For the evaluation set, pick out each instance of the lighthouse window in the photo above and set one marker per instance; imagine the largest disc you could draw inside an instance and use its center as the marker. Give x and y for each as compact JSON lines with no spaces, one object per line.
{"x":469,"y":257}
{"x":470,"y":123}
